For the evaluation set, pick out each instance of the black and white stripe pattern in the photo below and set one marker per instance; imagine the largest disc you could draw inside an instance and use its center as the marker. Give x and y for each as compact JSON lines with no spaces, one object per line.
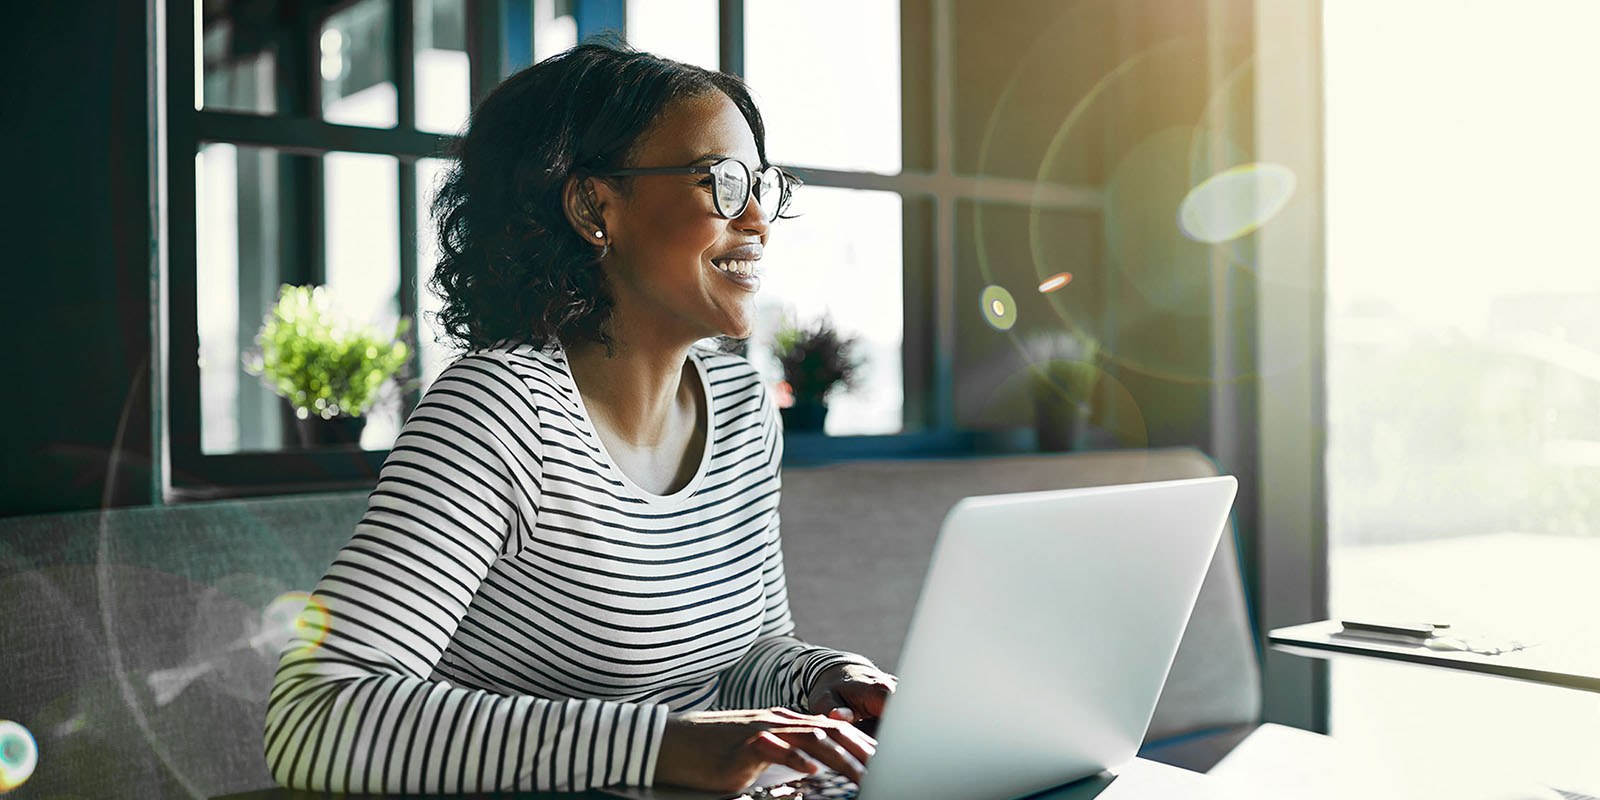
{"x":514,"y":613}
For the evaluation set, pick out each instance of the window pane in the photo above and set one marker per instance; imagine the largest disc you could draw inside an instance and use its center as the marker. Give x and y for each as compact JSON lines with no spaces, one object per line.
{"x":443,"y":93}
{"x":1043,"y":85}
{"x":1017,"y":249}
{"x":363,"y":260}
{"x":838,"y":112}
{"x":842,"y":257}
{"x":554,"y":28}
{"x":238,"y":275}
{"x":236,"y":60}
{"x":357,"y":76}
{"x":433,"y":353}
{"x":1461,"y":367}
{"x":682,"y":30}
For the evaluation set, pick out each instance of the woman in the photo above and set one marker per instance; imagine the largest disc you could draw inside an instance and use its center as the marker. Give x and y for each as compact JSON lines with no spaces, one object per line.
{"x":569,"y":574}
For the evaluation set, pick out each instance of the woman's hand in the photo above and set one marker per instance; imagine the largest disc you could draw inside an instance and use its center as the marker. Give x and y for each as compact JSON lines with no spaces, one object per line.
{"x":724,"y":751}
{"x":851,"y":692}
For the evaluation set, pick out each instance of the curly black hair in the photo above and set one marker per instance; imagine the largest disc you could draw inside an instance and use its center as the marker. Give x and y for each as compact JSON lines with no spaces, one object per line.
{"x":510,"y":265}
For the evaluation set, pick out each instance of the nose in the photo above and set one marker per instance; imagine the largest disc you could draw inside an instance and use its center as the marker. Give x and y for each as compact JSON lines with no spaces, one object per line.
{"x":754,"y":219}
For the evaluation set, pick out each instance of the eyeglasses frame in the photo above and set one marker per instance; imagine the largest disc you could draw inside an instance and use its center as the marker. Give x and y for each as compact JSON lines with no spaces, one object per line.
{"x":787,"y":182}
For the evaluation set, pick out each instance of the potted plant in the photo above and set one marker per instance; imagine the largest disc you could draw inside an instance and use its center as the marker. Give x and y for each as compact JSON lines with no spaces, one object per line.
{"x":328,"y":369}
{"x":1063,"y":370}
{"x":815,"y":359}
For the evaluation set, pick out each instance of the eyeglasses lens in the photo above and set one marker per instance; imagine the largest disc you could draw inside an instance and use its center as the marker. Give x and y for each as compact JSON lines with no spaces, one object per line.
{"x":772,"y":192}
{"x":733,"y":188}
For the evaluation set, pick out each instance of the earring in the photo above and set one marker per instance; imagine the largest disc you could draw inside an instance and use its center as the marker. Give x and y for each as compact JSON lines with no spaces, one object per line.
{"x":599,"y":235}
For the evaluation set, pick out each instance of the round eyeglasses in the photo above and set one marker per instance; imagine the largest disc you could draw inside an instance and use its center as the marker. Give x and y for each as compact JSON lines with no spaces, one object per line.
{"x":732,"y":185}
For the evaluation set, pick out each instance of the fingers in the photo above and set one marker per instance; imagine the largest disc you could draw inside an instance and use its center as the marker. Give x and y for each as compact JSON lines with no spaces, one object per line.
{"x":838,"y":745}
{"x":819,"y":744}
{"x":771,"y":749}
{"x":864,"y":745}
{"x":863,"y":690}
{"x":866,"y":698}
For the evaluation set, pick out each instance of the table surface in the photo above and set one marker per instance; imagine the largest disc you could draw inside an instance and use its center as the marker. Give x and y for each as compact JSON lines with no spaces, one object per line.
{"x":1139,"y":780}
{"x":1574,"y":664}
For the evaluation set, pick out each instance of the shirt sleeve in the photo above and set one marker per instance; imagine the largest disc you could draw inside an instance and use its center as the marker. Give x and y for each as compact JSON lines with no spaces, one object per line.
{"x":353,"y":707}
{"x":779,"y":669}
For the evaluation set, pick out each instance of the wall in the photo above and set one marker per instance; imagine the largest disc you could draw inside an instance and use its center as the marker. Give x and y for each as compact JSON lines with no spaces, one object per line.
{"x":77,"y":292}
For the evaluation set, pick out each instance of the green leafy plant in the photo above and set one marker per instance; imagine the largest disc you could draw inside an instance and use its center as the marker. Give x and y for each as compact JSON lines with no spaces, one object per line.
{"x":1065,"y":365}
{"x":816,"y":358}
{"x":320,"y":362}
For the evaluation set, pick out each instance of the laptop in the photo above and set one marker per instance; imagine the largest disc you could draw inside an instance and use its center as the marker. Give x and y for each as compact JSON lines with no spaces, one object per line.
{"x":1039,"y":645}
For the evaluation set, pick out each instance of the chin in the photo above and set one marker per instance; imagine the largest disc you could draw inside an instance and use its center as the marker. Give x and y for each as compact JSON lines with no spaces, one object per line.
{"x":737,"y":326}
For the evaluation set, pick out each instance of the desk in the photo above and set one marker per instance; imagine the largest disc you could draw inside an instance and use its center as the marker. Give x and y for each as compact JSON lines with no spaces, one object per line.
{"x":1139,"y":780}
{"x":1575,"y":665}
{"x":1281,"y":762}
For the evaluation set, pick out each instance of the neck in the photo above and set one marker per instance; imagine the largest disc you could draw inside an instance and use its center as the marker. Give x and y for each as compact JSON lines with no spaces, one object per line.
{"x":640,"y":392}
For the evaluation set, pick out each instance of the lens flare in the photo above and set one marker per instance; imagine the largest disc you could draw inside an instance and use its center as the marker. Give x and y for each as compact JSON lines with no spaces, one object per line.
{"x":1235,"y":202}
{"x":295,"y":616}
{"x":19,"y":754}
{"x":1055,"y":282}
{"x":999,"y":309}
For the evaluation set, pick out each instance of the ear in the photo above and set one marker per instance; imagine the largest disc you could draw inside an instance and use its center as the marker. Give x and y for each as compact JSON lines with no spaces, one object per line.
{"x":586,"y":201}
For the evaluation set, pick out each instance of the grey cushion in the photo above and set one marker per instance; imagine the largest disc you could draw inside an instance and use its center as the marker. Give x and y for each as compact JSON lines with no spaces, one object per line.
{"x":858,"y":537}
{"x":128,"y":652}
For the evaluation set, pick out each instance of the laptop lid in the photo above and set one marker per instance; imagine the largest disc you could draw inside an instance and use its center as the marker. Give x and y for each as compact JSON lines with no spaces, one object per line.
{"x":1042,"y":637}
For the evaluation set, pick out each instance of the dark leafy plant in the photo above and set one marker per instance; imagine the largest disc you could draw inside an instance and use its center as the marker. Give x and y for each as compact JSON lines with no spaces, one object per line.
{"x":318,"y":361}
{"x":1064,"y":365}
{"x":816,"y":358}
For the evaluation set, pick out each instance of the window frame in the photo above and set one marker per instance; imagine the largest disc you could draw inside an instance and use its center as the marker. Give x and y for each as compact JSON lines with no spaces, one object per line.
{"x":930,"y":197}
{"x":499,"y":41}
{"x":188,"y":472}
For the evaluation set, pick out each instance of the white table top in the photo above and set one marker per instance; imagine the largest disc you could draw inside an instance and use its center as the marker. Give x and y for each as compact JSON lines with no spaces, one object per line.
{"x":1574,"y":664}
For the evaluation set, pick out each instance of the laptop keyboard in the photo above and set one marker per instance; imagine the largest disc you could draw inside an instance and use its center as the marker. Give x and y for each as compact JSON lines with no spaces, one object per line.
{"x":822,"y":786}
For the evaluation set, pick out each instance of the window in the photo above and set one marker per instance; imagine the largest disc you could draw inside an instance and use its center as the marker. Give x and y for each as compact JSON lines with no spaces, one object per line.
{"x":433,"y":352}
{"x":236,"y":192}
{"x":301,"y":150}
{"x":443,"y":71}
{"x":358,"y":86}
{"x":555,"y":27}
{"x":1462,"y":377}
{"x":304,"y":148}
{"x":841,"y":256}
{"x":834,"y":113}
{"x":682,"y":30}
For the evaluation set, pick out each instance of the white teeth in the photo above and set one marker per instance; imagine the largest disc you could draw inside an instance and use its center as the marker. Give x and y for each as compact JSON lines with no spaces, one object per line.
{"x":738,"y":267}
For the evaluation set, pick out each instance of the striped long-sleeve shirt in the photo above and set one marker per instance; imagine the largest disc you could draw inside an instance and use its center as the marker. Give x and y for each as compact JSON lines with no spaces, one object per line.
{"x":513,"y":612}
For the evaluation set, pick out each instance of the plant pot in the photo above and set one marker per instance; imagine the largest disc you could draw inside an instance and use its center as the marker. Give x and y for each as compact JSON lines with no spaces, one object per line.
{"x":805,"y":416}
{"x":1059,"y":423}
{"x":315,"y":431}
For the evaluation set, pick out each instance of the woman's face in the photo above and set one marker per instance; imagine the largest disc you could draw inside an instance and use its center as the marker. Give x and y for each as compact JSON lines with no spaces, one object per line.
{"x":667,"y":238}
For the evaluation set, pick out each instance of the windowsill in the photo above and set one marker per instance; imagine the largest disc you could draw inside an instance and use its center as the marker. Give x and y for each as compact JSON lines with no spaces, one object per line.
{"x":810,"y":449}
{"x":347,"y":468}
{"x":804,"y":449}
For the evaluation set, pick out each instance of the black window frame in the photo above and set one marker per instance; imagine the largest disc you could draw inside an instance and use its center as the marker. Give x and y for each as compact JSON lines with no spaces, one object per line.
{"x":191,"y":473}
{"x":499,"y":40}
